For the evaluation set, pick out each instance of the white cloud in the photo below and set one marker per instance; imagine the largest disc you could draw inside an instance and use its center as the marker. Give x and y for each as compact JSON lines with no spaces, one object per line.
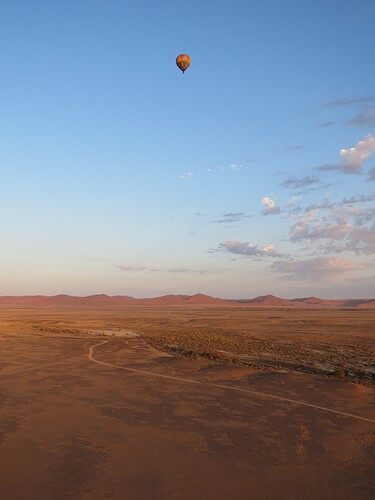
{"x":319,"y":268}
{"x":268,"y":202}
{"x":294,"y":199}
{"x":186,"y":176}
{"x":270,"y":206}
{"x":249,"y":249}
{"x":353,"y":158}
{"x":212,"y":170}
{"x":268,"y":249}
{"x":304,"y":231}
{"x":337,"y":227}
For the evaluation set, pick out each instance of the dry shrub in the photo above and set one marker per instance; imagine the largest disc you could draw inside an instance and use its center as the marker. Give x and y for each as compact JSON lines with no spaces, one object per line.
{"x":339,"y":373}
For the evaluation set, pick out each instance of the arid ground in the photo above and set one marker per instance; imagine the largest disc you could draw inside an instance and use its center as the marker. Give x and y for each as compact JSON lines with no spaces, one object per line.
{"x":191,"y":402}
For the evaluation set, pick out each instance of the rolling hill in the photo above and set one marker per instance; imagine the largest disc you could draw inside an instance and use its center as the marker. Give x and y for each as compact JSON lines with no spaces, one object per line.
{"x":103,"y":300}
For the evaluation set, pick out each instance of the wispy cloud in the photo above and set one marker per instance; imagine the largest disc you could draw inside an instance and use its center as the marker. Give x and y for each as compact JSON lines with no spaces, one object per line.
{"x":249,"y":249}
{"x":232,"y":167}
{"x":186,"y":176}
{"x":235,"y":214}
{"x":270,"y":207}
{"x":128,"y":267}
{"x":176,"y":270}
{"x":235,"y":166}
{"x":365,"y":118}
{"x":364,"y":216}
{"x":325,"y":204}
{"x":360,"y":240}
{"x":231,"y":217}
{"x":319,"y":268}
{"x":338,"y":103}
{"x":371,"y":174}
{"x":297,"y":147}
{"x":353,"y":158}
{"x":294,"y":200}
{"x":299,"y":182}
{"x":325,"y":124}
{"x":185,"y":270}
{"x":362,"y":198}
{"x":329,"y":227}
{"x":306,"y":231}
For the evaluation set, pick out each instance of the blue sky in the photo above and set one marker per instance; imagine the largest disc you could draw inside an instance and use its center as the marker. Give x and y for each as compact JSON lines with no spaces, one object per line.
{"x":252,"y":173}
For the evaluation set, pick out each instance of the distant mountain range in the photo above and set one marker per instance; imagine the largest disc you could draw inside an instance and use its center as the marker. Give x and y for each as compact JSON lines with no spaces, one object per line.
{"x":180,"y":300}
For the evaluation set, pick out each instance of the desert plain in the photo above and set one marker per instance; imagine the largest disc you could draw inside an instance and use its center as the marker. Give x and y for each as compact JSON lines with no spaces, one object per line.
{"x":199,"y":401}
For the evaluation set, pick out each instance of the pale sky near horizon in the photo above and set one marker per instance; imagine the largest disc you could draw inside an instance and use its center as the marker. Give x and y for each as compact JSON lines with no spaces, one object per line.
{"x":252,"y":173}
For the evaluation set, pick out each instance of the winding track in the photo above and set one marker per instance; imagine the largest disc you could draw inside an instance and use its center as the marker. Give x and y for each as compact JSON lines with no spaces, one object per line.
{"x":222,"y":386}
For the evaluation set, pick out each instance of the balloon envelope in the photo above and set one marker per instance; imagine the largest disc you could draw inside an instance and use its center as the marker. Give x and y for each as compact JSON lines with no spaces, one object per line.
{"x":183,"y":62}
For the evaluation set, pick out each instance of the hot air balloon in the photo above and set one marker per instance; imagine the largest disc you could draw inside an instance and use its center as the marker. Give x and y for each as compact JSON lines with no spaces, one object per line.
{"x":183,"y":62}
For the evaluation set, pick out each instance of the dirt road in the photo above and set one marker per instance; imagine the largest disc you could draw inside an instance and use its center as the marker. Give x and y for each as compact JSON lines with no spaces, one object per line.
{"x":74,"y":429}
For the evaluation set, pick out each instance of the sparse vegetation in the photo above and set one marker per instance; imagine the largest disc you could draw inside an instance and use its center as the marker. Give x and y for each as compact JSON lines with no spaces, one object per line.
{"x":336,"y":343}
